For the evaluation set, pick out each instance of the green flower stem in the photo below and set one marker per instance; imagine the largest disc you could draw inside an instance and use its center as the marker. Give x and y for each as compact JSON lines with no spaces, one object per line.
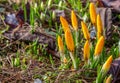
{"x":87,"y":64}
{"x":95,"y":62}
{"x":101,"y":76}
{"x":76,"y":39}
{"x":73,"y":60}
{"x":62,"y":56}
{"x":76,"y":42}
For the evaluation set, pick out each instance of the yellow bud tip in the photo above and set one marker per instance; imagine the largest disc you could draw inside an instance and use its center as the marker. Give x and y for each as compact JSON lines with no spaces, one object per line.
{"x":93,"y":14}
{"x":109,"y":79}
{"x":74,"y":20}
{"x":99,"y":46}
{"x":65,"y":60}
{"x":69,"y":41}
{"x":107,"y":64}
{"x":85,"y":31}
{"x":60,"y":44}
{"x":64,"y":23}
{"x":98,"y":35}
{"x":86,"y":50}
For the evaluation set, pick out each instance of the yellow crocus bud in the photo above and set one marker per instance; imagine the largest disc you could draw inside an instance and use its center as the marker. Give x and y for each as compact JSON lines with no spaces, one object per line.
{"x":107,"y":64}
{"x":86,"y":50}
{"x":64,"y":23}
{"x":65,"y":60}
{"x":99,"y":24}
{"x":98,"y":35}
{"x":85,"y":31}
{"x":69,"y":41}
{"x":99,"y":46}
{"x":93,"y":14}
{"x":74,"y":20}
{"x":60,"y":44}
{"x":109,"y":79}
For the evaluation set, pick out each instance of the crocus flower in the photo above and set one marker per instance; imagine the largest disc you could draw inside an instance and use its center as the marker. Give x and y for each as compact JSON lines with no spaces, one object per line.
{"x":98,"y":35}
{"x":64,"y":23}
{"x":85,"y":31}
{"x":99,"y":24}
{"x":74,"y":20}
{"x":60,"y":44}
{"x":86,"y":50}
{"x":99,"y":27}
{"x":107,"y":64}
{"x":99,"y":46}
{"x":69,"y":41}
{"x":93,"y":14}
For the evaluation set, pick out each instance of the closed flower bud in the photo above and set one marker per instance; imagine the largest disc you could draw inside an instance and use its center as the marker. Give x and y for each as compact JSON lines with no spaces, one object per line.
{"x":86,"y":50}
{"x":99,"y":46}
{"x":60,"y":44}
{"x":74,"y":20}
{"x":99,"y":24}
{"x":69,"y":41}
{"x":85,"y":31}
{"x":98,"y":35}
{"x":107,"y":64}
{"x":93,"y":14}
{"x":64,"y":23}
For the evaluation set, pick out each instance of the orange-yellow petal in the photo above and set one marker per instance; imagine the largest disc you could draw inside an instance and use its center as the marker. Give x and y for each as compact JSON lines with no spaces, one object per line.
{"x":99,"y":46}
{"x":99,"y":24}
{"x":86,"y":50}
{"x":69,"y":41}
{"x":109,"y":79}
{"x":64,"y":23}
{"x":85,"y":31}
{"x":107,"y":64}
{"x":93,"y":14}
{"x":98,"y":35}
{"x":60,"y":44}
{"x":74,"y":20}
{"x":65,"y":60}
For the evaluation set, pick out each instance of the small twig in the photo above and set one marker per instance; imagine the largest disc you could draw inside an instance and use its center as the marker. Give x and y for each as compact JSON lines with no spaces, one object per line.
{"x":15,"y":30}
{"x":3,"y":21}
{"x":57,"y":79}
{"x":84,"y":81}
